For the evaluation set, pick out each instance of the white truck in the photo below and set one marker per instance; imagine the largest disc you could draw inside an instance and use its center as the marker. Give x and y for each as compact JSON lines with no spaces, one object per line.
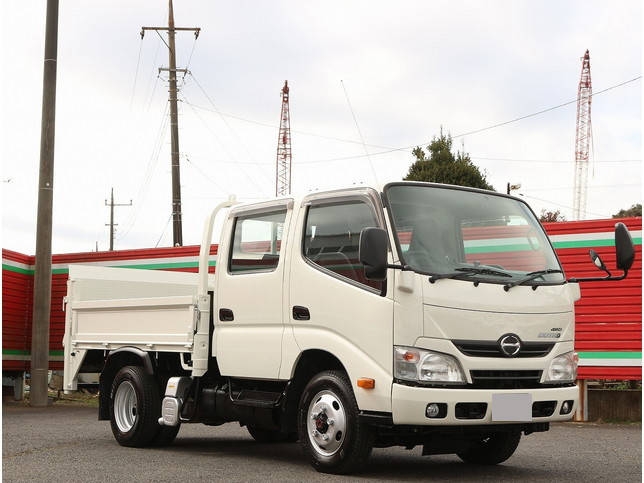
{"x":414,"y":314}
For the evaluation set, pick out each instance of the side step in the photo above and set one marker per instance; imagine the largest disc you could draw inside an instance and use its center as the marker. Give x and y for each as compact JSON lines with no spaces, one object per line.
{"x":256,"y":399}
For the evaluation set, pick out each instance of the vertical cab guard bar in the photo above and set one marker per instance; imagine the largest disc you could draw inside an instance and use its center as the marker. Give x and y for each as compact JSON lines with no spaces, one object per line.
{"x":206,"y":241}
{"x":201,"y":343}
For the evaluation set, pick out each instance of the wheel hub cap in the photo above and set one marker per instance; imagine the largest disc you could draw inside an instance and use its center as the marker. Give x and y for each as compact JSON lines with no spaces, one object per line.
{"x":327,"y":423}
{"x":125,"y":406}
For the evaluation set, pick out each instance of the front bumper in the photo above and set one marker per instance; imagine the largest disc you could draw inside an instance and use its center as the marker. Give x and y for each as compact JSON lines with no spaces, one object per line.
{"x":408,"y":403}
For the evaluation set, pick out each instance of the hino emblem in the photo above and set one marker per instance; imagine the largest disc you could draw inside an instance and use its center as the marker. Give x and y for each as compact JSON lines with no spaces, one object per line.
{"x":510,"y":345}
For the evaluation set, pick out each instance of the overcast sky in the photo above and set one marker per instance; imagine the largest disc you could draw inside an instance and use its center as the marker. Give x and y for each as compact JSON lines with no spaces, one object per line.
{"x":408,"y":68}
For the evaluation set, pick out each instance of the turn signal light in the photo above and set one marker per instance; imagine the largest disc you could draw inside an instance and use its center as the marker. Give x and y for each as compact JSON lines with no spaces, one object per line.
{"x":366,"y":383}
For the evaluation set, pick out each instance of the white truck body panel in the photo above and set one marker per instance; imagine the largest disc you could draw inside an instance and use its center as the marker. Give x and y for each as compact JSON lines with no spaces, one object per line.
{"x":108,"y":308}
{"x":250,"y":345}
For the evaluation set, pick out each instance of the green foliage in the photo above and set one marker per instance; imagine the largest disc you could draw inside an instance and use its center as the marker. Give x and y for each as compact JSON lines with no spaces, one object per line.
{"x":550,"y":216}
{"x":635,"y":210}
{"x":440,"y":165}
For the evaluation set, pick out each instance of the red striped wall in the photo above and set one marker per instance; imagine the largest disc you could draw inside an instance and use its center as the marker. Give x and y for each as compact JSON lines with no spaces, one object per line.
{"x":608,"y":316}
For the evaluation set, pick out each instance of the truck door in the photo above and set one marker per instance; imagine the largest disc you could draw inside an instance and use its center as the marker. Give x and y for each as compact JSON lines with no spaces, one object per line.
{"x":248,"y":300}
{"x":333,"y":306}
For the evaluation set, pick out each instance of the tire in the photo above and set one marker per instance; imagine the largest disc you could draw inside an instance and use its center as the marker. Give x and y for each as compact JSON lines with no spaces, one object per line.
{"x":268,"y":436}
{"x":492,"y":450}
{"x":166,"y":435}
{"x":135,"y":407}
{"x":349,"y":442}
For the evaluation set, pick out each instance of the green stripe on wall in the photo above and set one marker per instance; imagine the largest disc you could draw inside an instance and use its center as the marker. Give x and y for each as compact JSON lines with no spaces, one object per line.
{"x":610,"y":242}
{"x":16,"y":352}
{"x":610,"y":355}
{"x":11,"y":268}
{"x":149,"y":266}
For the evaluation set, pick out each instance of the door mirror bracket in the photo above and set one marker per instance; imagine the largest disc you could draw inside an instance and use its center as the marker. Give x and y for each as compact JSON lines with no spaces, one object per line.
{"x":624,"y":254}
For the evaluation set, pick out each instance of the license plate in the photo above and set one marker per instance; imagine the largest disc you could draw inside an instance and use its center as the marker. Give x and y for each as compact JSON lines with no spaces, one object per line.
{"x":512,"y":407}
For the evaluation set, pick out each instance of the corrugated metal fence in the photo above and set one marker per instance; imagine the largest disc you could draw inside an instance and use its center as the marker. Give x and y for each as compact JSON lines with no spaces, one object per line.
{"x":609,"y":314}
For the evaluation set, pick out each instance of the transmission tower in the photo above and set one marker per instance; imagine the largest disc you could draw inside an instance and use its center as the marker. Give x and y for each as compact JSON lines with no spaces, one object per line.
{"x":283,"y":162}
{"x":582,"y":139}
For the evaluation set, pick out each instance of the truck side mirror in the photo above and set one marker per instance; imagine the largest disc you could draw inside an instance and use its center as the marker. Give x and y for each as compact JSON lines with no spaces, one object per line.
{"x":594,"y":256}
{"x":373,"y":253}
{"x":624,"y":251}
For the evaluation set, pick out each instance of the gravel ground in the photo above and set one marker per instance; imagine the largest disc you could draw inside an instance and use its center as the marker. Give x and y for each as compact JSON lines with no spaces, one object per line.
{"x":67,"y":443}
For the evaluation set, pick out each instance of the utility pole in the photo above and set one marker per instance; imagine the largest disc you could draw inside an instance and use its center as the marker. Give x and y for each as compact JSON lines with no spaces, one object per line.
{"x":177,"y":230}
{"x":42,"y":276}
{"x":111,"y":224}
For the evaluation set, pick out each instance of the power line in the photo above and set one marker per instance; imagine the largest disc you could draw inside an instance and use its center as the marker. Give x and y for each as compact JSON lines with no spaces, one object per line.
{"x":136,"y":73}
{"x":563,"y":206}
{"x":224,"y":147}
{"x":230,"y":128}
{"x":355,"y":120}
{"x":192,"y":51}
{"x":204,"y":174}
{"x":297,"y":131}
{"x":389,"y":149}
{"x":164,"y":229}
{"x":549,"y":188}
{"x":152,"y":74}
{"x":149,"y":172}
{"x":553,"y":161}
{"x":476,"y":131}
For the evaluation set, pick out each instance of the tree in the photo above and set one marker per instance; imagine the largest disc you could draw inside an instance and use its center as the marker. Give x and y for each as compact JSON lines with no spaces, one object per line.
{"x":440,"y":165}
{"x":635,"y":210}
{"x":551,"y":216}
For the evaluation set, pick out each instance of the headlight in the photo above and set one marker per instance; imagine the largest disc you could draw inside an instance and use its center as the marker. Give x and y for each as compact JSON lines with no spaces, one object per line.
{"x":563,"y":368}
{"x":412,"y":364}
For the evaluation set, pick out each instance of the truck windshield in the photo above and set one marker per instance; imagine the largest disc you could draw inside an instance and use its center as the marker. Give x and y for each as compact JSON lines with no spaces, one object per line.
{"x":455,"y":233}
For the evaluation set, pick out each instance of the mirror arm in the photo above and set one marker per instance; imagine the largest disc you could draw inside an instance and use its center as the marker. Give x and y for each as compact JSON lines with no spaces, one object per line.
{"x":404,"y":268}
{"x":598,"y":279}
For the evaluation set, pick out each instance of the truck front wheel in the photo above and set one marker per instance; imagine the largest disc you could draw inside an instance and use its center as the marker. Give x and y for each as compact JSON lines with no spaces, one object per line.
{"x":492,"y":450}
{"x":330,"y":431}
{"x":134,"y":407}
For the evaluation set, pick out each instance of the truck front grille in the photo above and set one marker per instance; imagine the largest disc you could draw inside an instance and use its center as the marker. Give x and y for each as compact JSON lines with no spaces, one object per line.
{"x":486,"y":379}
{"x":486,"y":348}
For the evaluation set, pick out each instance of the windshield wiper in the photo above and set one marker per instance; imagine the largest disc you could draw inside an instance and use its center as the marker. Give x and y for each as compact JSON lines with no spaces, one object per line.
{"x":468,"y":271}
{"x":530,"y":276}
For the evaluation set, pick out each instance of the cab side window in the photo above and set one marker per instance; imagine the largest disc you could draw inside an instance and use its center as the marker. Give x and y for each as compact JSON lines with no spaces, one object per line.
{"x":257,"y":240}
{"x":332,"y":238}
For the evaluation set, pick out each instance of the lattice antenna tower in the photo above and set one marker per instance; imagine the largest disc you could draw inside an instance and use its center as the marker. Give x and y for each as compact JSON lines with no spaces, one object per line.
{"x":284,"y":159}
{"x":582,"y":139}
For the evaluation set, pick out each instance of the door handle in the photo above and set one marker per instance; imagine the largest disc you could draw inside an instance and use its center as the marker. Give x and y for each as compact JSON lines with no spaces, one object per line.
{"x":301,"y":313}
{"x":226,"y":315}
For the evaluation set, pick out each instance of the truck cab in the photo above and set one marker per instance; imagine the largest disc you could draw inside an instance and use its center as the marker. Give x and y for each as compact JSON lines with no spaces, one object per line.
{"x":409,"y":314}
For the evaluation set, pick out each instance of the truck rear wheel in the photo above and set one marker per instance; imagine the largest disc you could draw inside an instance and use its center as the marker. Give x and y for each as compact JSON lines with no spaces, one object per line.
{"x":134,"y":407}
{"x":166,"y":435}
{"x":330,"y":431}
{"x":493,"y":449}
